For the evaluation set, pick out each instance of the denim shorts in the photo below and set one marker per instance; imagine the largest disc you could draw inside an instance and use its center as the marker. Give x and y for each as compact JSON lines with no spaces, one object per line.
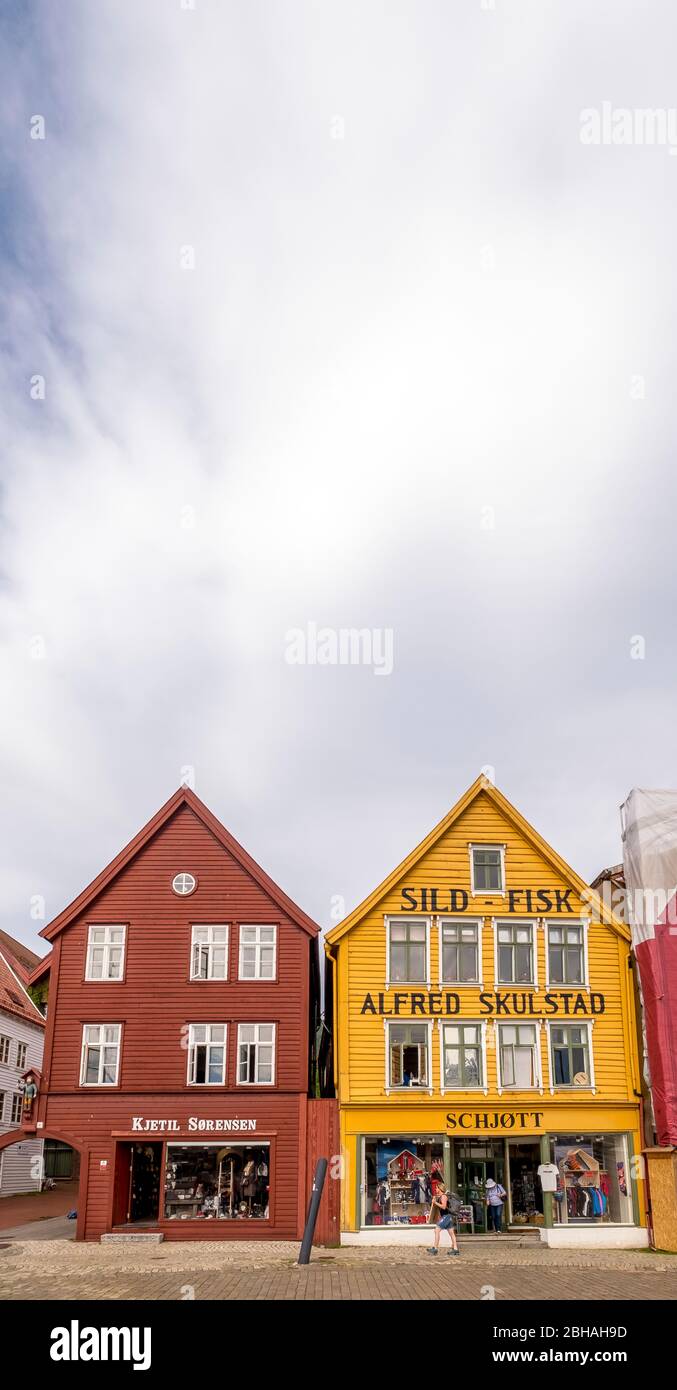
{"x":446,"y":1221}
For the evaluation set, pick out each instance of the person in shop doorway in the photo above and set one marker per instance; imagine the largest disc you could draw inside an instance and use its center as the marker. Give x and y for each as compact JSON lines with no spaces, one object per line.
{"x":495,"y":1196}
{"x":442,"y":1203}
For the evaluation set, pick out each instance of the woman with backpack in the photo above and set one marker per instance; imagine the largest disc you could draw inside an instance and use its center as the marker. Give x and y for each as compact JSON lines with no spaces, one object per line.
{"x":495,"y":1197}
{"x":443,"y":1201}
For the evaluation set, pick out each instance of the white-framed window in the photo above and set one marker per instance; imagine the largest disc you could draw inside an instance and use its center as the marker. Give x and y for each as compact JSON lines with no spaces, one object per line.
{"x":184,"y":884}
{"x":460,"y":950}
{"x":100,"y":1064}
{"x":256,"y":1054}
{"x":571,"y":1059}
{"x":487,"y":869}
{"x":17,"y":1107}
{"x":566,"y":953}
{"x":408,"y":1056}
{"x":462,"y":1056}
{"x":258,"y":953}
{"x":21,"y":1050}
{"x":408,"y":947}
{"x":519,"y":1056}
{"x":515,"y":949}
{"x":105,"y":952}
{"x":207,"y":1054}
{"x":4,"y":1049}
{"x":209,"y":953}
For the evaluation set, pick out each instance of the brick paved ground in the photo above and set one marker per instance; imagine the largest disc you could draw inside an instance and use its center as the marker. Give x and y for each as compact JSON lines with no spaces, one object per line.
{"x":248,"y":1271}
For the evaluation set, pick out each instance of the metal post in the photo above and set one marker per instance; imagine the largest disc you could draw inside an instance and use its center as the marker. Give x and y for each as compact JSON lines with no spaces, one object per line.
{"x":314,"y":1207}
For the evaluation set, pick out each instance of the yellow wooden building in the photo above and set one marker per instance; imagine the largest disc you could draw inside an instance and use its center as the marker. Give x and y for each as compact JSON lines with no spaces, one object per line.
{"x":485,"y":1032}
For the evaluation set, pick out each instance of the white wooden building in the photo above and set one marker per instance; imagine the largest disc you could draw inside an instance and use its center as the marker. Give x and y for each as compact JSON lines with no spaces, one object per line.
{"x":22,"y":1029}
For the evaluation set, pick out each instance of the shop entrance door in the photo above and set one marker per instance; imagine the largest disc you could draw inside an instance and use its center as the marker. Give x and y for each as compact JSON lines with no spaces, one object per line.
{"x":473,"y":1178}
{"x":144,"y":1182}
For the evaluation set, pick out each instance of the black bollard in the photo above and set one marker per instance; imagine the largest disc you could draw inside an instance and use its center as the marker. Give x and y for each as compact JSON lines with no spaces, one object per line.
{"x":314,"y":1207}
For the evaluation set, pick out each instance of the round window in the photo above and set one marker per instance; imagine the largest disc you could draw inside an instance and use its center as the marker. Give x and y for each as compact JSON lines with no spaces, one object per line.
{"x":184,"y":884}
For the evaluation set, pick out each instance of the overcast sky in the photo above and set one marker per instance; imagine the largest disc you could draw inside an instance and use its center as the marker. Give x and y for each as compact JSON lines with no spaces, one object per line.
{"x":339,"y":322}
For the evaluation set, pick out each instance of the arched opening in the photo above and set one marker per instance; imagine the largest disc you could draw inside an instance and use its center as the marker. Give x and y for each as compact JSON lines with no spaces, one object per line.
{"x":41,"y":1176}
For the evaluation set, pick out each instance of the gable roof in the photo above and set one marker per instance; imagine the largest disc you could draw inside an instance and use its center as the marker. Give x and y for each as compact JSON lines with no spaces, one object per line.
{"x":481,"y":785}
{"x":13,"y":996}
{"x":183,"y":797}
{"x":20,"y":955}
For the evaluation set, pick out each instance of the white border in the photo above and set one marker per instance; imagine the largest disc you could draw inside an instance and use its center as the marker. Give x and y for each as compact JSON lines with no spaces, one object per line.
{"x":106,"y":979}
{"x":516,"y":922}
{"x":208,"y":1023}
{"x":524,"y":1022}
{"x":408,"y":1090}
{"x":570,"y":1022}
{"x":209,"y":926}
{"x":252,"y":1024}
{"x":486,"y":892}
{"x":100,"y":1085}
{"x":458,"y":1022}
{"x":478,"y":922}
{"x":408,"y":917}
{"x":256,"y":926}
{"x":547,"y":923}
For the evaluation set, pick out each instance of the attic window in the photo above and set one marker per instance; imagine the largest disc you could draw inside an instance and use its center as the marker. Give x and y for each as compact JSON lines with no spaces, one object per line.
{"x":184,"y":884}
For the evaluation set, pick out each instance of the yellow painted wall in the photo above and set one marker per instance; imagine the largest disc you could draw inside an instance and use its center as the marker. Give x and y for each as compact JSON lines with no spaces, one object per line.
{"x":362,"y":970}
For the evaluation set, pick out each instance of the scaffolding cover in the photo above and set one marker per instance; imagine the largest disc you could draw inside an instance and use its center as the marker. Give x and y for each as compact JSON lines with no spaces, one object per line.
{"x":649,"y":821}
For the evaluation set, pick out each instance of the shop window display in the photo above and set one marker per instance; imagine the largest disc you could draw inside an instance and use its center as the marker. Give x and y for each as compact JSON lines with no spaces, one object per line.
{"x":216,"y":1182}
{"x":592,"y":1181}
{"x":401,"y":1178}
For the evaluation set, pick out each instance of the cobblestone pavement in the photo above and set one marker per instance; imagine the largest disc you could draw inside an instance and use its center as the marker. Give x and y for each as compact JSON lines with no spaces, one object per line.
{"x":255,"y":1271}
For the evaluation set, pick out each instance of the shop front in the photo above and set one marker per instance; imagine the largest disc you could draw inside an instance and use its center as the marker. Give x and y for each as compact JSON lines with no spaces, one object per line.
{"x":561,"y":1183}
{"x":486,"y":1040}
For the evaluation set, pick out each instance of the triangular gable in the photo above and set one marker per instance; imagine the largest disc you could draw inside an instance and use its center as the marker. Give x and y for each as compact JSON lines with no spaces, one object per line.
{"x":14,"y":998}
{"x":480,"y":785}
{"x":183,"y":797}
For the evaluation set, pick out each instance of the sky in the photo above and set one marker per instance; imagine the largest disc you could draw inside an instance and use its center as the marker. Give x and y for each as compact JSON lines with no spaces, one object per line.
{"x":320,"y":317}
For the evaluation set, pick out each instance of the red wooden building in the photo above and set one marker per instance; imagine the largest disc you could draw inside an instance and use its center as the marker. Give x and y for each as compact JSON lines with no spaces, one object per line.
{"x":180,"y":1042}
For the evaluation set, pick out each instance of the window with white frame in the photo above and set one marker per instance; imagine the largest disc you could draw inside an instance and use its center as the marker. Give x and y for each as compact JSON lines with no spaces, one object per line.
{"x":17,"y":1107}
{"x":408,"y":1054}
{"x":21,"y":1050}
{"x":100,"y":1054}
{"x":515,"y":951}
{"x":209,"y":953}
{"x":462,"y":1056}
{"x":256,"y":1054}
{"x":105,"y":953}
{"x":207,"y":1054}
{"x":518,"y":1053}
{"x":486,"y":863}
{"x":570,"y":1055}
{"x":459,"y":952}
{"x":566,"y":954}
{"x":407,"y":950}
{"x":258,"y":953}
{"x":4,"y":1049}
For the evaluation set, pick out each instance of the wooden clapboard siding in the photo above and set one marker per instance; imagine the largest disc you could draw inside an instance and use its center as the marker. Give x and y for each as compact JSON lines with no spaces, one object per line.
{"x":18,"y":1173}
{"x":156,"y":1000}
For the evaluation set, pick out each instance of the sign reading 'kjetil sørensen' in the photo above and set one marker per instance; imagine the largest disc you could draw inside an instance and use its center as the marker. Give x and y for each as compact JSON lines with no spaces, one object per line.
{"x":194,"y":1122}
{"x":508,"y":1003}
{"x":522,"y":900}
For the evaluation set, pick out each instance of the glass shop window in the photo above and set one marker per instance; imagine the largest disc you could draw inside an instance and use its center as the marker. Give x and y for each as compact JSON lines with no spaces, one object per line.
{"x":460,"y":963}
{"x":407,"y":950}
{"x":593,"y":1180}
{"x":566,"y":964}
{"x":401,"y":1177}
{"x":408,"y":1060}
{"x":217,"y":1182}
